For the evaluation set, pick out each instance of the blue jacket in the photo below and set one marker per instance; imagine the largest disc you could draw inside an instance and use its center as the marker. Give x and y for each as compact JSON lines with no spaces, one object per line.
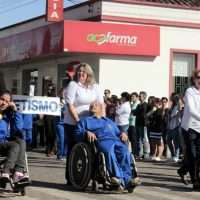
{"x":103,"y":127}
{"x":27,"y":121}
{"x":10,"y":123}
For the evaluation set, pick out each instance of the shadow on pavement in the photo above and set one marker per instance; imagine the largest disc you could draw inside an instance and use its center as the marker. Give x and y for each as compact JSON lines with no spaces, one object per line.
{"x":177,"y":188}
{"x":64,"y":187}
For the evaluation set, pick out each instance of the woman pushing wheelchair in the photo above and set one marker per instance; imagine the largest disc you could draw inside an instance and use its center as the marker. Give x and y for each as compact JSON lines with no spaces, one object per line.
{"x":12,"y":146}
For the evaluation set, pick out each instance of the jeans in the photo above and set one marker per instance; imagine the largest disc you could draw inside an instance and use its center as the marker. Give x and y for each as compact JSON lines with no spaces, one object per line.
{"x":173,"y":141}
{"x":27,"y":135}
{"x":61,"y":141}
{"x":15,"y":155}
{"x":143,"y":147}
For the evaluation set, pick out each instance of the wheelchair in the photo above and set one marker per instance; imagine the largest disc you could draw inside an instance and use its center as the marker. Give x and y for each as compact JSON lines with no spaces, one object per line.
{"x":18,"y":187}
{"x":87,"y":164}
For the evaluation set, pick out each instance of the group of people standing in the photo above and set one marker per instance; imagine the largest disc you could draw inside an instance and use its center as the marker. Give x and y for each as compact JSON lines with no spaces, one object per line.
{"x":160,"y":127}
{"x":151,"y":126}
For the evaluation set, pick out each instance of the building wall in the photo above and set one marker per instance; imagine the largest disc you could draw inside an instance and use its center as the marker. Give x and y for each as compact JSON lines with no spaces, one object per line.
{"x":150,"y":12}
{"x":47,"y":68}
{"x":146,"y":73}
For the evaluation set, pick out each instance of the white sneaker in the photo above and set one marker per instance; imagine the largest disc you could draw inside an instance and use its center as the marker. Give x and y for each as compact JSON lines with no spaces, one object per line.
{"x":157,"y":159}
{"x":175,"y":159}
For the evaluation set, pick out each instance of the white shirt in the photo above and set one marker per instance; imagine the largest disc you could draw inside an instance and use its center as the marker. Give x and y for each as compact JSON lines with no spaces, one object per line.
{"x":123,"y":112}
{"x":81,"y":97}
{"x":191,"y":116}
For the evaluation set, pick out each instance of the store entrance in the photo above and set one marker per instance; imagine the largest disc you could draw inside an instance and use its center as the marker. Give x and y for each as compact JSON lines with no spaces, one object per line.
{"x":182,"y":67}
{"x":29,"y":82}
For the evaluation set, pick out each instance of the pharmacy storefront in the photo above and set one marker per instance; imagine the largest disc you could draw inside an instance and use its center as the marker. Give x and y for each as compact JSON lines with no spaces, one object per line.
{"x":125,"y":57}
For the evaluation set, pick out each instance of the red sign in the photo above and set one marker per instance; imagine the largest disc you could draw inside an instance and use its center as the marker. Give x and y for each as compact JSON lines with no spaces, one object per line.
{"x":54,"y":10}
{"x":37,"y":42}
{"x":107,"y":38}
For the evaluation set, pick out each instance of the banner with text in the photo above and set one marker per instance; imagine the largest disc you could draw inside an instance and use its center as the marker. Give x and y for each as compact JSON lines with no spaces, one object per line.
{"x":37,"y":105}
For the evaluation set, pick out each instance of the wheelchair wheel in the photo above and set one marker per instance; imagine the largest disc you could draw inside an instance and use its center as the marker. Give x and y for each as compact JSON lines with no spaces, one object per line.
{"x":2,"y":184}
{"x":80,"y":166}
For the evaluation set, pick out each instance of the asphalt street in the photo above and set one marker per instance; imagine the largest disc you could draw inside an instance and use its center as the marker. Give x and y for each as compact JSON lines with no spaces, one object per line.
{"x":159,"y":182}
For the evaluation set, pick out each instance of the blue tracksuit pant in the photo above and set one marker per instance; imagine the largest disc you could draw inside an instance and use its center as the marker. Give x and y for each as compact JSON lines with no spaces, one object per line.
{"x":118,"y":159}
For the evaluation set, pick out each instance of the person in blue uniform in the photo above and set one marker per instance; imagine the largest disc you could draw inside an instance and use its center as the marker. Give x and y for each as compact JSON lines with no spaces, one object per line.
{"x":27,"y":128}
{"x":11,"y":143}
{"x":60,"y":132}
{"x":111,"y":142}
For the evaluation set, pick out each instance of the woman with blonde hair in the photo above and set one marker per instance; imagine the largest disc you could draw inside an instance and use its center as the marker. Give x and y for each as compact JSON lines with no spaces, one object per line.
{"x":78,"y":96}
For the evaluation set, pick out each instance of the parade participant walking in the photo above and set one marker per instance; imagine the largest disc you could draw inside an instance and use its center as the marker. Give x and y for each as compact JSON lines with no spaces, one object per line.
{"x":191,"y":124}
{"x":79,"y":94}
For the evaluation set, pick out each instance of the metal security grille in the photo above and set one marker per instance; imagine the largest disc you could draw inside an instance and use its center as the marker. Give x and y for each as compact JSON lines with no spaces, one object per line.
{"x":183,"y":65}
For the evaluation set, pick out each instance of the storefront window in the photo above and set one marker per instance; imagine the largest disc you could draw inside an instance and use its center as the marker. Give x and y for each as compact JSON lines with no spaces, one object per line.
{"x":183,"y":65}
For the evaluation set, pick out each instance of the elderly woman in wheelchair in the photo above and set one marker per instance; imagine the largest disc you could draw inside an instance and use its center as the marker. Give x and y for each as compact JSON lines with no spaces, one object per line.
{"x":106,"y":160}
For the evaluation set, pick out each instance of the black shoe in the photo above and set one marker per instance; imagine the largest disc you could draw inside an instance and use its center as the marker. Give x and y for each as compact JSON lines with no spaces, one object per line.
{"x":196,"y":186}
{"x":183,"y":178}
{"x":68,"y":183}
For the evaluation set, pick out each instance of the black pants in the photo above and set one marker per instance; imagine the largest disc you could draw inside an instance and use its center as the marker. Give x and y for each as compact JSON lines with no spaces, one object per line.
{"x":15,"y":153}
{"x":38,"y":130}
{"x":184,"y":169}
{"x":191,"y":161}
{"x":69,"y":130}
{"x":194,"y":159}
{"x":50,"y":133}
{"x":133,"y":138}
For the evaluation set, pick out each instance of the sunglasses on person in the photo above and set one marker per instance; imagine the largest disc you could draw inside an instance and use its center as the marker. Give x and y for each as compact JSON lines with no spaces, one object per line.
{"x":197,"y":77}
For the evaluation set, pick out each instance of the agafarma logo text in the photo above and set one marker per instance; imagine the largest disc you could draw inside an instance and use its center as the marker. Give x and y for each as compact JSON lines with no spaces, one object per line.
{"x":110,"y":38}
